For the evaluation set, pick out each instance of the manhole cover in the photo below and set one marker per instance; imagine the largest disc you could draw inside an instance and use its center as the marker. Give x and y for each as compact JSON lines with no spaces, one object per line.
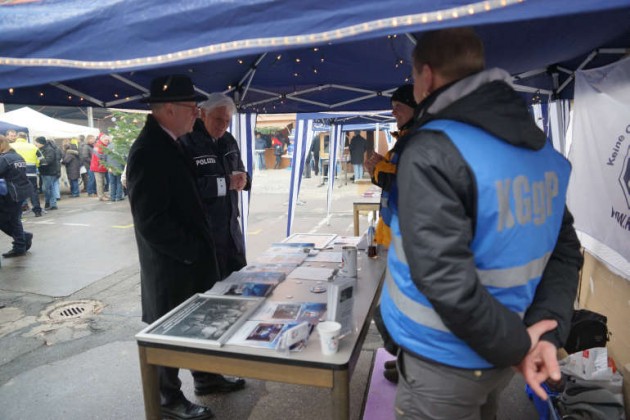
{"x":73,"y":310}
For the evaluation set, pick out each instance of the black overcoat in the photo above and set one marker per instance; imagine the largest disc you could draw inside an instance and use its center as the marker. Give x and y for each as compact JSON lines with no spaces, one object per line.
{"x":175,"y":246}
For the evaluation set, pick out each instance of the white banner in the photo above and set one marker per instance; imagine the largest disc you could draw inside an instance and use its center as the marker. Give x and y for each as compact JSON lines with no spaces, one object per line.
{"x":599,"y":189}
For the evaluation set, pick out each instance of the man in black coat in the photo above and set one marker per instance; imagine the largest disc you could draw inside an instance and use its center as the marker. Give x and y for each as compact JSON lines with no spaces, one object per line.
{"x":175,"y":246}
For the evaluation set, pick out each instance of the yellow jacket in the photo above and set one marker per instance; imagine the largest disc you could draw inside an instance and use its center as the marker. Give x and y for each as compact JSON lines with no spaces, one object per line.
{"x":27,"y":150}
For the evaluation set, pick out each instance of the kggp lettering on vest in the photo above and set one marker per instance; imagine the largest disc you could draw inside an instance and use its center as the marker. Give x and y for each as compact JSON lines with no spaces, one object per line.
{"x":532,"y":200}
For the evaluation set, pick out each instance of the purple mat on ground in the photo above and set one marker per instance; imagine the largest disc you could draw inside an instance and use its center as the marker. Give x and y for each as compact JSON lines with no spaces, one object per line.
{"x":381,"y":395}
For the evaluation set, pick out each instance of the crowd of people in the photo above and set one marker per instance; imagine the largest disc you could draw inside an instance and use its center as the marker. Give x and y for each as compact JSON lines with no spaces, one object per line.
{"x":481,"y":276}
{"x":89,"y":168}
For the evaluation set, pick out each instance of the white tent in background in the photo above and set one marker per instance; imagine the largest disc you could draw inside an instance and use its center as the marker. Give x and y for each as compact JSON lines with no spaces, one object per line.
{"x":39,"y":124}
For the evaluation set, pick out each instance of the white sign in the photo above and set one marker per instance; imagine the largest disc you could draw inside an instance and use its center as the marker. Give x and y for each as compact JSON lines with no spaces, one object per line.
{"x":599,"y":189}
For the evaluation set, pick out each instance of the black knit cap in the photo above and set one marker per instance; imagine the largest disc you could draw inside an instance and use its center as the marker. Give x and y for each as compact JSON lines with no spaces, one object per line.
{"x":41,"y":140}
{"x":404,"y":94}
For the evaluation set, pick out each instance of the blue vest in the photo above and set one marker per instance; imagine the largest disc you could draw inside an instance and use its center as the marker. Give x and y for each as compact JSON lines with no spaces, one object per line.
{"x":521,"y":199}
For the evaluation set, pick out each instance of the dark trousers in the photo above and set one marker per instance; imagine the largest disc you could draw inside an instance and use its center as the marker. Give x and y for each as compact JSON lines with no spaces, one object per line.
{"x":37,"y":208}
{"x":170,"y":384}
{"x":84,"y":180}
{"x":11,"y":224}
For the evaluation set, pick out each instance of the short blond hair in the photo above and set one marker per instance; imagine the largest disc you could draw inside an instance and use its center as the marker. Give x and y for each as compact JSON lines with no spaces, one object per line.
{"x":453,"y":53}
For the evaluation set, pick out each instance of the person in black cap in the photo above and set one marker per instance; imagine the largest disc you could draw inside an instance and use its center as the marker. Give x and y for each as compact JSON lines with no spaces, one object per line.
{"x":381,"y":168}
{"x":383,"y":173}
{"x":175,"y":247}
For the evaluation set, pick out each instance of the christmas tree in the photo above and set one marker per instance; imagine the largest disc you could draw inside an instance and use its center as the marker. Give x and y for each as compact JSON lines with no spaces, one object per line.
{"x":123,"y":133}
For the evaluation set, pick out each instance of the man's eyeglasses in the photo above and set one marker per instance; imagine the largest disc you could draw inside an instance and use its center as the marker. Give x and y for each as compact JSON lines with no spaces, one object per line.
{"x":193,"y":108}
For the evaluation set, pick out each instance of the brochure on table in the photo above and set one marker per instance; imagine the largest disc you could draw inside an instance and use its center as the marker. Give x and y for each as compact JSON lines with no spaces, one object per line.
{"x":235,"y":311}
{"x":321,"y":240}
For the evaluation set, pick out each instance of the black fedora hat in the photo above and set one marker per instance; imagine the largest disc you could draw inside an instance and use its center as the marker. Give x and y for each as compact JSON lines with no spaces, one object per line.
{"x":173,"y":88}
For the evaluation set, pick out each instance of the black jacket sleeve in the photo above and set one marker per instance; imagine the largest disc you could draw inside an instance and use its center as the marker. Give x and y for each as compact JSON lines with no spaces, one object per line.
{"x":557,"y":289}
{"x":151,"y":196}
{"x":436,"y":213}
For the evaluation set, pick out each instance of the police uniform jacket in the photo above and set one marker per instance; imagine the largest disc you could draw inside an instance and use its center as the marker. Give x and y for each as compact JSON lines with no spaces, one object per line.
{"x":214,"y":160}
{"x":13,"y":170}
{"x":175,"y":246}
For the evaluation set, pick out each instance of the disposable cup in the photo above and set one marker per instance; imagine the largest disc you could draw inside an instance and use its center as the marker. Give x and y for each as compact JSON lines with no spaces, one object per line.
{"x":329,"y":336}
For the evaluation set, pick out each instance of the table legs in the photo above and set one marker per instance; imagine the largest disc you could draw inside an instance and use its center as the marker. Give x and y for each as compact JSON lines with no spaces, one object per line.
{"x":150,"y":387}
{"x":340,"y":393}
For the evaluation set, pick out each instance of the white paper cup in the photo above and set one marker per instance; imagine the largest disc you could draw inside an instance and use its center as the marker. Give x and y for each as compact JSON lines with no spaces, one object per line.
{"x":329,"y":336}
{"x":348,"y":261}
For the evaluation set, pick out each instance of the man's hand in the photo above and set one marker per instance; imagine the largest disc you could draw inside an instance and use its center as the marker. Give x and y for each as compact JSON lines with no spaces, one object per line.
{"x":238,"y":180}
{"x":541,"y":362}
{"x":371,"y":162}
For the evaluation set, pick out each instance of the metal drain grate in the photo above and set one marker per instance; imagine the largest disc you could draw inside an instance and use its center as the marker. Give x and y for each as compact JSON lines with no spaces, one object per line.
{"x":73,"y":310}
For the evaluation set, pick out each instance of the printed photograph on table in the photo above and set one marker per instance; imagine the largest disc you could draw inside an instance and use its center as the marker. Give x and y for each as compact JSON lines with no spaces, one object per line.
{"x":269,"y":268}
{"x":250,"y":289}
{"x":321,"y":240}
{"x":202,"y":321}
{"x":262,"y":334}
{"x":255,"y":277}
{"x":311,"y":312}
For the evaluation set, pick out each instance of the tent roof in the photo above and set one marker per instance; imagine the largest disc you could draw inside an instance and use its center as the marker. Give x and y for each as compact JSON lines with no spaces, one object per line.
{"x":42,"y":125}
{"x":4,"y":126}
{"x":279,"y":56}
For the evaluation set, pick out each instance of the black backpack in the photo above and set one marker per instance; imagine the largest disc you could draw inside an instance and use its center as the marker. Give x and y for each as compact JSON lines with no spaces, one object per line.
{"x":588,"y":330}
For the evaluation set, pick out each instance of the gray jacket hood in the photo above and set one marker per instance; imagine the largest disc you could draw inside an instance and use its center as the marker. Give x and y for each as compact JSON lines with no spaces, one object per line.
{"x":487,"y":100}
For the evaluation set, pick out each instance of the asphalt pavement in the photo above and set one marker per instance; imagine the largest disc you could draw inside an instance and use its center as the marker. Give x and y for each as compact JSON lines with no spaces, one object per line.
{"x":69,"y":311}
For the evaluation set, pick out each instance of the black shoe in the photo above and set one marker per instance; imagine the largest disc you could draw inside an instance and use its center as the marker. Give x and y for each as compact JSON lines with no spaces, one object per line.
{"x":13,"y":253}
{"x":29,"y":240}
{"x":391,"y":375}
{"x":182,"y":409}
{"x":390,"y":364}
{"x":38,"y":214}
{"x":220,"y":385}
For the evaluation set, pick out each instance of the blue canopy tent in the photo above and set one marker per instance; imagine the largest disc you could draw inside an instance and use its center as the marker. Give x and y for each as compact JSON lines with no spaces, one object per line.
{"x":282,"y":56}
{"x":4,"y":126}
{"x":276,"y":56}
{"x":336,"y":124}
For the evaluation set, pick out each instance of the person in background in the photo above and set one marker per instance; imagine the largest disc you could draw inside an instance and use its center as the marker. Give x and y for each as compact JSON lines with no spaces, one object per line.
{"x":18,"y":189}
{"x":73,"y":165}
{"x":31,"y":156}
{"x":115,"y":166}
{"x":11,"y":135}
{"x":480,"y":277}
{"x":97,"y":165}
{"x":315,"y":145}
{"x":357,"y":146}
{"x":175,"y":246}
{"x":278,"y":150}
{"x":260,"y":145}
{"x":85,"y":153}
{"x":50,"y":170}
{"x":382,"y":170}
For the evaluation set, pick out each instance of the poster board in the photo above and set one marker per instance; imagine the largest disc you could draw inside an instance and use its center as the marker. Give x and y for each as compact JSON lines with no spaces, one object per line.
{"x":203,"y":321}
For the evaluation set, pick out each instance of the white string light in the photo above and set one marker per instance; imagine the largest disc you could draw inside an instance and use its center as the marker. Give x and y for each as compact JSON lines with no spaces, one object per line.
{"x":295,"y":40}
